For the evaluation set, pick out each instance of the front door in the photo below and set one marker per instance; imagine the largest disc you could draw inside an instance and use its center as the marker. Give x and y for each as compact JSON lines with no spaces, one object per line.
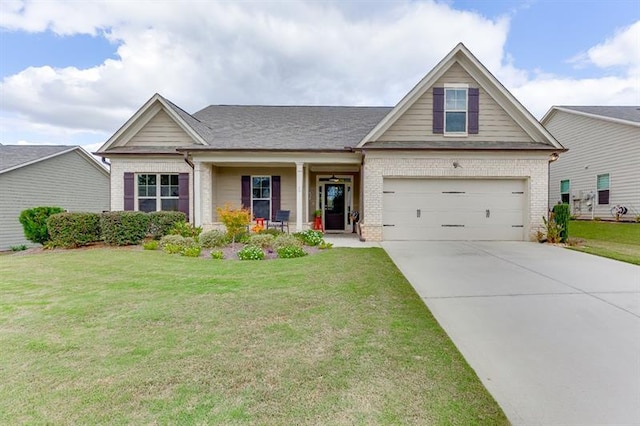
{"x":334,"y":195}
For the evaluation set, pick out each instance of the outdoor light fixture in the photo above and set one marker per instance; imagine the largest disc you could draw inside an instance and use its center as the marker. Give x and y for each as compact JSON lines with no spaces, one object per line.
{"x":333,"y":178}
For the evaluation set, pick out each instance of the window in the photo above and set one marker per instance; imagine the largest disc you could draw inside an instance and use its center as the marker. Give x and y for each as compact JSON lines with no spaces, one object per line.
{"x":565,"y":189}
{"x":261,"y":196}
{"x":153,"y":197}
{"x":603,"y":189}
{"x":455,"y":110}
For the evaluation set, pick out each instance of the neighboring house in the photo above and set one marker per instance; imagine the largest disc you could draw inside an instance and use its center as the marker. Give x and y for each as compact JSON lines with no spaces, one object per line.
{"x":458,"y":158}
{"x":47,"y":175}
{"x":601,"y":171}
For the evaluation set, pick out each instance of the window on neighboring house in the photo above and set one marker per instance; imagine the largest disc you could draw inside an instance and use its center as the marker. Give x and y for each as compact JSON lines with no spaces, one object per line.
{"x":261,"y":196}
{"x":603,"y":189}
{"x":565,"y":189}
{"x":455,"y":110}
{"x":153,"y":197}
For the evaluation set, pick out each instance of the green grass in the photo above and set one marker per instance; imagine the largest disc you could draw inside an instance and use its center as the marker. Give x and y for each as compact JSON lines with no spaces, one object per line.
{"x":620,"y":241}
{"x":139,"y":337}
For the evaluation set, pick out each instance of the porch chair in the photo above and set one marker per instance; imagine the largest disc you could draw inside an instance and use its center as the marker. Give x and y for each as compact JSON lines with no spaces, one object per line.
{"x":280,"y":221}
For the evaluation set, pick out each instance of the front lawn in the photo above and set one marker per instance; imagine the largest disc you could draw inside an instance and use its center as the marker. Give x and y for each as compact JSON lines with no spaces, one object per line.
{"x":140,"y":337}
{"x":615,"y":240}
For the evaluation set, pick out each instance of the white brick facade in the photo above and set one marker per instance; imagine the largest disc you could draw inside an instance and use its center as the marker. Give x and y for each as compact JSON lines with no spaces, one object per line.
{"x":120,"y":166}
{"x":531,"y":167}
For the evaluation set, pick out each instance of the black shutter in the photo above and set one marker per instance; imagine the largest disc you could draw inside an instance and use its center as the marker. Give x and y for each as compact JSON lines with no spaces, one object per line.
{"x":438,"y":110}
{"x":275,"y":196}
{"x":129,"y":191}
{"x":183,"y":193}
{"x":246,"y":192}
{"x":474,"y":110}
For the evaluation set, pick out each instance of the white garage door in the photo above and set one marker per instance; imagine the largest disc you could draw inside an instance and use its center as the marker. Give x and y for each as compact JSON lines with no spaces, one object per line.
{"x":453,"y":209}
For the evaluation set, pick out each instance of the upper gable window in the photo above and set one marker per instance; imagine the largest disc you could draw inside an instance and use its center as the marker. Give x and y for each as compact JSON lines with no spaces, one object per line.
{"x":455,"y":109}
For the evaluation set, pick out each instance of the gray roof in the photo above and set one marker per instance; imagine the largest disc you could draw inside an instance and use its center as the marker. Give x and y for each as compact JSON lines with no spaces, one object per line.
{"x":287,"y":127}
{"x":12,"y":156}
{"x":627,"y":113}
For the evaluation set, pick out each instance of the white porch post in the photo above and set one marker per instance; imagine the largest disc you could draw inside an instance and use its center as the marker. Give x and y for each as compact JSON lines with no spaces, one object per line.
{"x":299,"y":184}
{"x":306,"y":194}
{"x":197,"y":193}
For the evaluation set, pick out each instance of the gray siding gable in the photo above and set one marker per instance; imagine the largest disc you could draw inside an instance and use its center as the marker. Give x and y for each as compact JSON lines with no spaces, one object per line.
{"x":68,"y":180}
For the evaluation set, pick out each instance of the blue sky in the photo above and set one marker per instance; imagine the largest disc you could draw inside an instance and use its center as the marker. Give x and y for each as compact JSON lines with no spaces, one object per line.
{"x":73,"y":72}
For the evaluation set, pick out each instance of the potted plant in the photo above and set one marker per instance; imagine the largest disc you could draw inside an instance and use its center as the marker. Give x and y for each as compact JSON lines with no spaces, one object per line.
{"x":317,"y":213}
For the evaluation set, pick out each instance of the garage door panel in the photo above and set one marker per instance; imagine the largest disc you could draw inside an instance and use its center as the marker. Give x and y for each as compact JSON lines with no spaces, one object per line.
{"x":453,"y":209}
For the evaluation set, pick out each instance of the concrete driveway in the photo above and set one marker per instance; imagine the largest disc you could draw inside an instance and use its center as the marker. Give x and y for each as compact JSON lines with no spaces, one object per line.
{"x":553,"y":334}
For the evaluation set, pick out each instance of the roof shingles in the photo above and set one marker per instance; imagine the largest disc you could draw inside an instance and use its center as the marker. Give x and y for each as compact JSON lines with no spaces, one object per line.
{"x":12,"y":156}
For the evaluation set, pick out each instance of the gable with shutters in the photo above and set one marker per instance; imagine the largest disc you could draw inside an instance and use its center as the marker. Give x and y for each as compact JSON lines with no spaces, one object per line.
{"x":424,"y":119}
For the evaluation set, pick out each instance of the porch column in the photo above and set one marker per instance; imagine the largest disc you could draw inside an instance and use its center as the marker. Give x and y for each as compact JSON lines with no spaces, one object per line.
{"x":299,"y":184}
{"x":197,"y":193}
{"x":306,"y":194}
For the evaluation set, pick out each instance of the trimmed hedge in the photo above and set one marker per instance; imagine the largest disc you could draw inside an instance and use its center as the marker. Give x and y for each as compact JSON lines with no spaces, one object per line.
{"x":160,"y":223}
{"x":74,"y":229}
{"x":34,"y":223}
{"x":124,"y":228}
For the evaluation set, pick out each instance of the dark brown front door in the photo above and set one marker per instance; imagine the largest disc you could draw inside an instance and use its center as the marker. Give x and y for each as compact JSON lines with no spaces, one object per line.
{"x":334,"y":194}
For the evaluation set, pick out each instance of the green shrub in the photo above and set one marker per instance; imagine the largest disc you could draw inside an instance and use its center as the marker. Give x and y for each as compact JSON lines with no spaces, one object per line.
{"x":217,"y":254}
{"x":20,"y":247}
{"x":310,"y":237}
{"x":243,"y":237}
{"x":213,"y":238}
{"x":185,"y":229}
{"x":34,"y":223}
{"x":150,"y":245}
{"x":289,"y":252}
{"x":325,"y":245}
{"x":262,"y":240}
{"x":172,"y":239}
{"x":561,"y":215}
{"x":172,"y":248}
{"x":124,"y":228}
{"x":272,"y":231}
{"x":285,"y":240}
{"x":73,"y":229}
{"x":191,"y":251}
{"x":251,"y":253}
{"x":160,"y":223}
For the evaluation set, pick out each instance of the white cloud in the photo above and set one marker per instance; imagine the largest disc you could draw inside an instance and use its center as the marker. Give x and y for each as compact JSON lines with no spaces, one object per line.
{"x":199,"y":53}
{"x":623,"y":49}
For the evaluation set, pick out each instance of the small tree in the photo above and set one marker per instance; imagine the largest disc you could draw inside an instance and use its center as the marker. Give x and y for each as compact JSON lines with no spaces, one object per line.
{"x":34,"y":223}
{"x":235,"y":220}
{"x":561,"y":215}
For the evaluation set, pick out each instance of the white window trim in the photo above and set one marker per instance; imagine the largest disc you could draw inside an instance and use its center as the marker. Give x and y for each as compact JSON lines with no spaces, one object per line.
{"x":466,"y":112}
{"x":270,"y":194}
{"x":598,"y":190}
{"x":568,"y":192}
{"x":157,"y":197}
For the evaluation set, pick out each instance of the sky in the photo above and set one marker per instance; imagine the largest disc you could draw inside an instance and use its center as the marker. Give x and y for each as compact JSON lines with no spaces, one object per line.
{"x":73,"y":72}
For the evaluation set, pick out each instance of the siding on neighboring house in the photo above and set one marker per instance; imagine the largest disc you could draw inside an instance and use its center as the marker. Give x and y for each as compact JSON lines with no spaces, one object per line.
{"x":416,"y":123}
{"x":161,"y":130}
{"x":120,"y":166}
{"x":596,"y":147}
{"x":69,"y":181}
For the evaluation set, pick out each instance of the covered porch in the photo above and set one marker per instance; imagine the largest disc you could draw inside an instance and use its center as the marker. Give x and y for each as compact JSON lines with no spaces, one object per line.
{"x":329,"y":183}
